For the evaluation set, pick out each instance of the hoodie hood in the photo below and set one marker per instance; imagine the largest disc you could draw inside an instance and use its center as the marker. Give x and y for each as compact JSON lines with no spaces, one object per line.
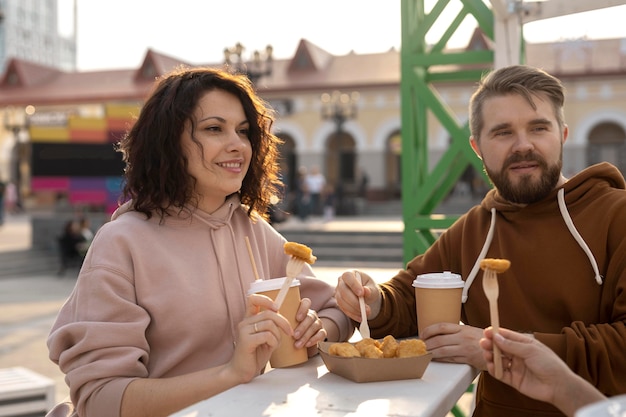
{"x":227,"y":250}
{"x":575,"y":188}
{"x":589,"y":180}
{"x":214,"y":220}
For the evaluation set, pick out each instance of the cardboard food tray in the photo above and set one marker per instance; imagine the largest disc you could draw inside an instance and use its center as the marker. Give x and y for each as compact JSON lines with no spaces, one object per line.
{"x":370,"y":370}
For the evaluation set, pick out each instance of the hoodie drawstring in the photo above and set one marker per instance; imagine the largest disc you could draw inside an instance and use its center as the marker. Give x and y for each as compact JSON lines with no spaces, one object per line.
{"x":570,"y":226}
{"x":481,"y":256}
{"x":572,"y":229}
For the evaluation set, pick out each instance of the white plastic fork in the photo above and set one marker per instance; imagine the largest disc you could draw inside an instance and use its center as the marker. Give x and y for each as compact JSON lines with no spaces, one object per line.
{"x":294,"y":267}
{"x":364,"y":328}
{"x":490,"y":286}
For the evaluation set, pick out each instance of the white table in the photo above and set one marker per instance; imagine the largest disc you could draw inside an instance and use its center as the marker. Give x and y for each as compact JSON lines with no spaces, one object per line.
{"x":309,"y":390}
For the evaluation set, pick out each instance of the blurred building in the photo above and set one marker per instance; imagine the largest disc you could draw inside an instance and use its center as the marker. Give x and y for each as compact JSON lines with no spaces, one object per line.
{"x":70,"y":120}
{"x":30,"y":30}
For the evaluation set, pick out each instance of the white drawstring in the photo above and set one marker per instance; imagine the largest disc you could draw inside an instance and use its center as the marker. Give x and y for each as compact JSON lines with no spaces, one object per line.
{"x":577,"y":236}
{"x":481,"y":256}
{"x":570,"y":226}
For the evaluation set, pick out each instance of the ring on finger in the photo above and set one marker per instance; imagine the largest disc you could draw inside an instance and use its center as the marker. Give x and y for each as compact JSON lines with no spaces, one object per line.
{"x":256,"y":330}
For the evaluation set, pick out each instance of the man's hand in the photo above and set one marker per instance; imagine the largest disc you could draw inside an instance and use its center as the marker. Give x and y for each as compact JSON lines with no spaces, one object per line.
{"x":455,"y":343}
{"x":350,"y":288}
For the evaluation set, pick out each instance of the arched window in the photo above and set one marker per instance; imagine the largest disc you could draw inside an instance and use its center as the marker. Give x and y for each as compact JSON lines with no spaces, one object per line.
{"x":607,"y":142}
{"x":341,"y":159}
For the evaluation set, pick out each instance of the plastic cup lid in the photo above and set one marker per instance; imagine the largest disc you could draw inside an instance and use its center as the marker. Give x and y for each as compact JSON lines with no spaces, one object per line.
{"x":263,"y":285}
{"x":444,"y":279}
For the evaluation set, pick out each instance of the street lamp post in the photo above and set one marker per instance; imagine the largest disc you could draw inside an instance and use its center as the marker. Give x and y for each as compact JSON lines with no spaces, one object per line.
{"x":17,"y":122}
{"x":340,"y":107}
{"x":261,"y":65}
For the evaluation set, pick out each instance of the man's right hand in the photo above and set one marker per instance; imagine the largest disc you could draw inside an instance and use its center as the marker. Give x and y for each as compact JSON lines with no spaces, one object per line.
{"x":348,"y":290}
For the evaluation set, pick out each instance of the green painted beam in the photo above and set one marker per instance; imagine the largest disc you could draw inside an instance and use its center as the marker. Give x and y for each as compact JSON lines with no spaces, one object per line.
{"x":422,"y":68}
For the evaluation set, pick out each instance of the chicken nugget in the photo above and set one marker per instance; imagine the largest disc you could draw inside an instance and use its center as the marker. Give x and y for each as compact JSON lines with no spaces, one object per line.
{"x":371,"y":351}
{"x":362,"y":344}
{"x":345,"y":349}
{"x":411,"y":347}
{"x":300,"y":251}
{"x":498,"y":265}
{"x":389,"y":346}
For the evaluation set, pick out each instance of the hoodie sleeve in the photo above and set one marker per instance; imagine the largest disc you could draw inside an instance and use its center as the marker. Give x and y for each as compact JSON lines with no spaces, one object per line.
{"x":398,"y":316}
{"x":595,"y":351}
{"x":323,"y":302}
{"x":99,"y":343}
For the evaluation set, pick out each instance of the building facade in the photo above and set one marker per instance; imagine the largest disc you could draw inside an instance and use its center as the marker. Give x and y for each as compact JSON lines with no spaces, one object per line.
{"x":29,"y":30}
{"x":76,"y":117}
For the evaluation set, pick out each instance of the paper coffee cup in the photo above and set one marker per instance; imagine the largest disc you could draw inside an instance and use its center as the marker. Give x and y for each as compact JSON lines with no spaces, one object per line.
{"x":437,"y":298}
{"x":286,"y":354}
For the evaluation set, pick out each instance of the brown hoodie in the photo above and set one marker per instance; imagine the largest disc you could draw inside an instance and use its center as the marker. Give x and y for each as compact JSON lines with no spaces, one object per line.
{"x":566,"y":284}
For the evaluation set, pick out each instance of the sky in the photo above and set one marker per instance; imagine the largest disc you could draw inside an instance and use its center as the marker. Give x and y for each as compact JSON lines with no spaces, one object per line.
{"x":116,"y":34}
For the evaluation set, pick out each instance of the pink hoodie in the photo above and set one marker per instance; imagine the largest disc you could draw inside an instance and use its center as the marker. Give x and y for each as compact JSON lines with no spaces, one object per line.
{"x":160,"y":299}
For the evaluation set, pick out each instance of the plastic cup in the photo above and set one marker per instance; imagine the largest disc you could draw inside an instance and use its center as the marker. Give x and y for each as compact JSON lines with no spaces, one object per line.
{"x":437,"y":298}
{"x":286,"y":354}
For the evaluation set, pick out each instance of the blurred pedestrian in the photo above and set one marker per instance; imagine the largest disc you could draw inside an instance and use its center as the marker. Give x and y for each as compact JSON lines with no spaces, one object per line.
{"x":302,"y":195}
{"x":315,"y":183}
{"x":70,"y":246}
{"x":11,"y":200}
{"x":86,"y":232}
{"x":3,"y":187}
{"x":329,"y":202}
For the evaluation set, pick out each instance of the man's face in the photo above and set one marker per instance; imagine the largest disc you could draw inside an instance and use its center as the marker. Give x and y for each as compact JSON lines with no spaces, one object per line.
{"x":521,"y":147}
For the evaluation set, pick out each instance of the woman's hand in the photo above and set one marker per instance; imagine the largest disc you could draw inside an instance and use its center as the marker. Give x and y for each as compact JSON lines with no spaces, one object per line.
{"x":310,"y":329}
{"x":536,"y":371}
{"x":259,"y":333}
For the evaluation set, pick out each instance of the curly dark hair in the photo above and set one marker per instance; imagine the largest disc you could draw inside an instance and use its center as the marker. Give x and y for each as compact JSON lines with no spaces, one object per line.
{"x":156,"y":175}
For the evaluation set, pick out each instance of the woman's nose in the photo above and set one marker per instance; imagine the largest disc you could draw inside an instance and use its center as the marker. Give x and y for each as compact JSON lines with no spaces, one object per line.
{"x":236,"y":141}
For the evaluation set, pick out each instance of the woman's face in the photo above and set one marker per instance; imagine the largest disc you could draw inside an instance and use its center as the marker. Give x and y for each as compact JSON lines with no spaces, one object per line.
{"x":222,"y":130}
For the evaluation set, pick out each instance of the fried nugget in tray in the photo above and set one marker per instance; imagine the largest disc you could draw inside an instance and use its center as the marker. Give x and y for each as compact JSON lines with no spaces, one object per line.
{"x":345,"y":349}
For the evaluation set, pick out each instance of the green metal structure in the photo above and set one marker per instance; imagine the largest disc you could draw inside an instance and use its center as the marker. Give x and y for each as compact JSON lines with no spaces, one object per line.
{"x":422,"y":68}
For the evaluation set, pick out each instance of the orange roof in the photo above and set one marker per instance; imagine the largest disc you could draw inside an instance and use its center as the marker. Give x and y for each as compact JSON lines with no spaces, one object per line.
{"x":311,"y":68}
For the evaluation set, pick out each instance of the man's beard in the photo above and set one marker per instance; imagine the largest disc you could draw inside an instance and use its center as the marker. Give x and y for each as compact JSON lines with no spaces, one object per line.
{"x":527,"y":190}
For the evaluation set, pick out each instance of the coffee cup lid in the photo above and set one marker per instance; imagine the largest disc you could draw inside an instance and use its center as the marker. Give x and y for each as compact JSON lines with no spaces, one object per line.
{"x":444,"y":279}
{"x":262,"y":285}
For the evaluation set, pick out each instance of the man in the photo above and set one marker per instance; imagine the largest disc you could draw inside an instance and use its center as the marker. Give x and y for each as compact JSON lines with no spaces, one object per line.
{"x":565,"y":238}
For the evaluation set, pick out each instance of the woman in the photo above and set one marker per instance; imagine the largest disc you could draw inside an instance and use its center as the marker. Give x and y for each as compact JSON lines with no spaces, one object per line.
{"x":159,"y":318}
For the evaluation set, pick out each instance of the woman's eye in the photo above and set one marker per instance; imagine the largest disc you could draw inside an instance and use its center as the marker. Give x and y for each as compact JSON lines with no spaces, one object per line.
{"x":244,"y":132}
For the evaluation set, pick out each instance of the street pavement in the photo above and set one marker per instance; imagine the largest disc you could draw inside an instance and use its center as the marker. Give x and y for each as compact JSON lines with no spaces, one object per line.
{"x":29,"y":304}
